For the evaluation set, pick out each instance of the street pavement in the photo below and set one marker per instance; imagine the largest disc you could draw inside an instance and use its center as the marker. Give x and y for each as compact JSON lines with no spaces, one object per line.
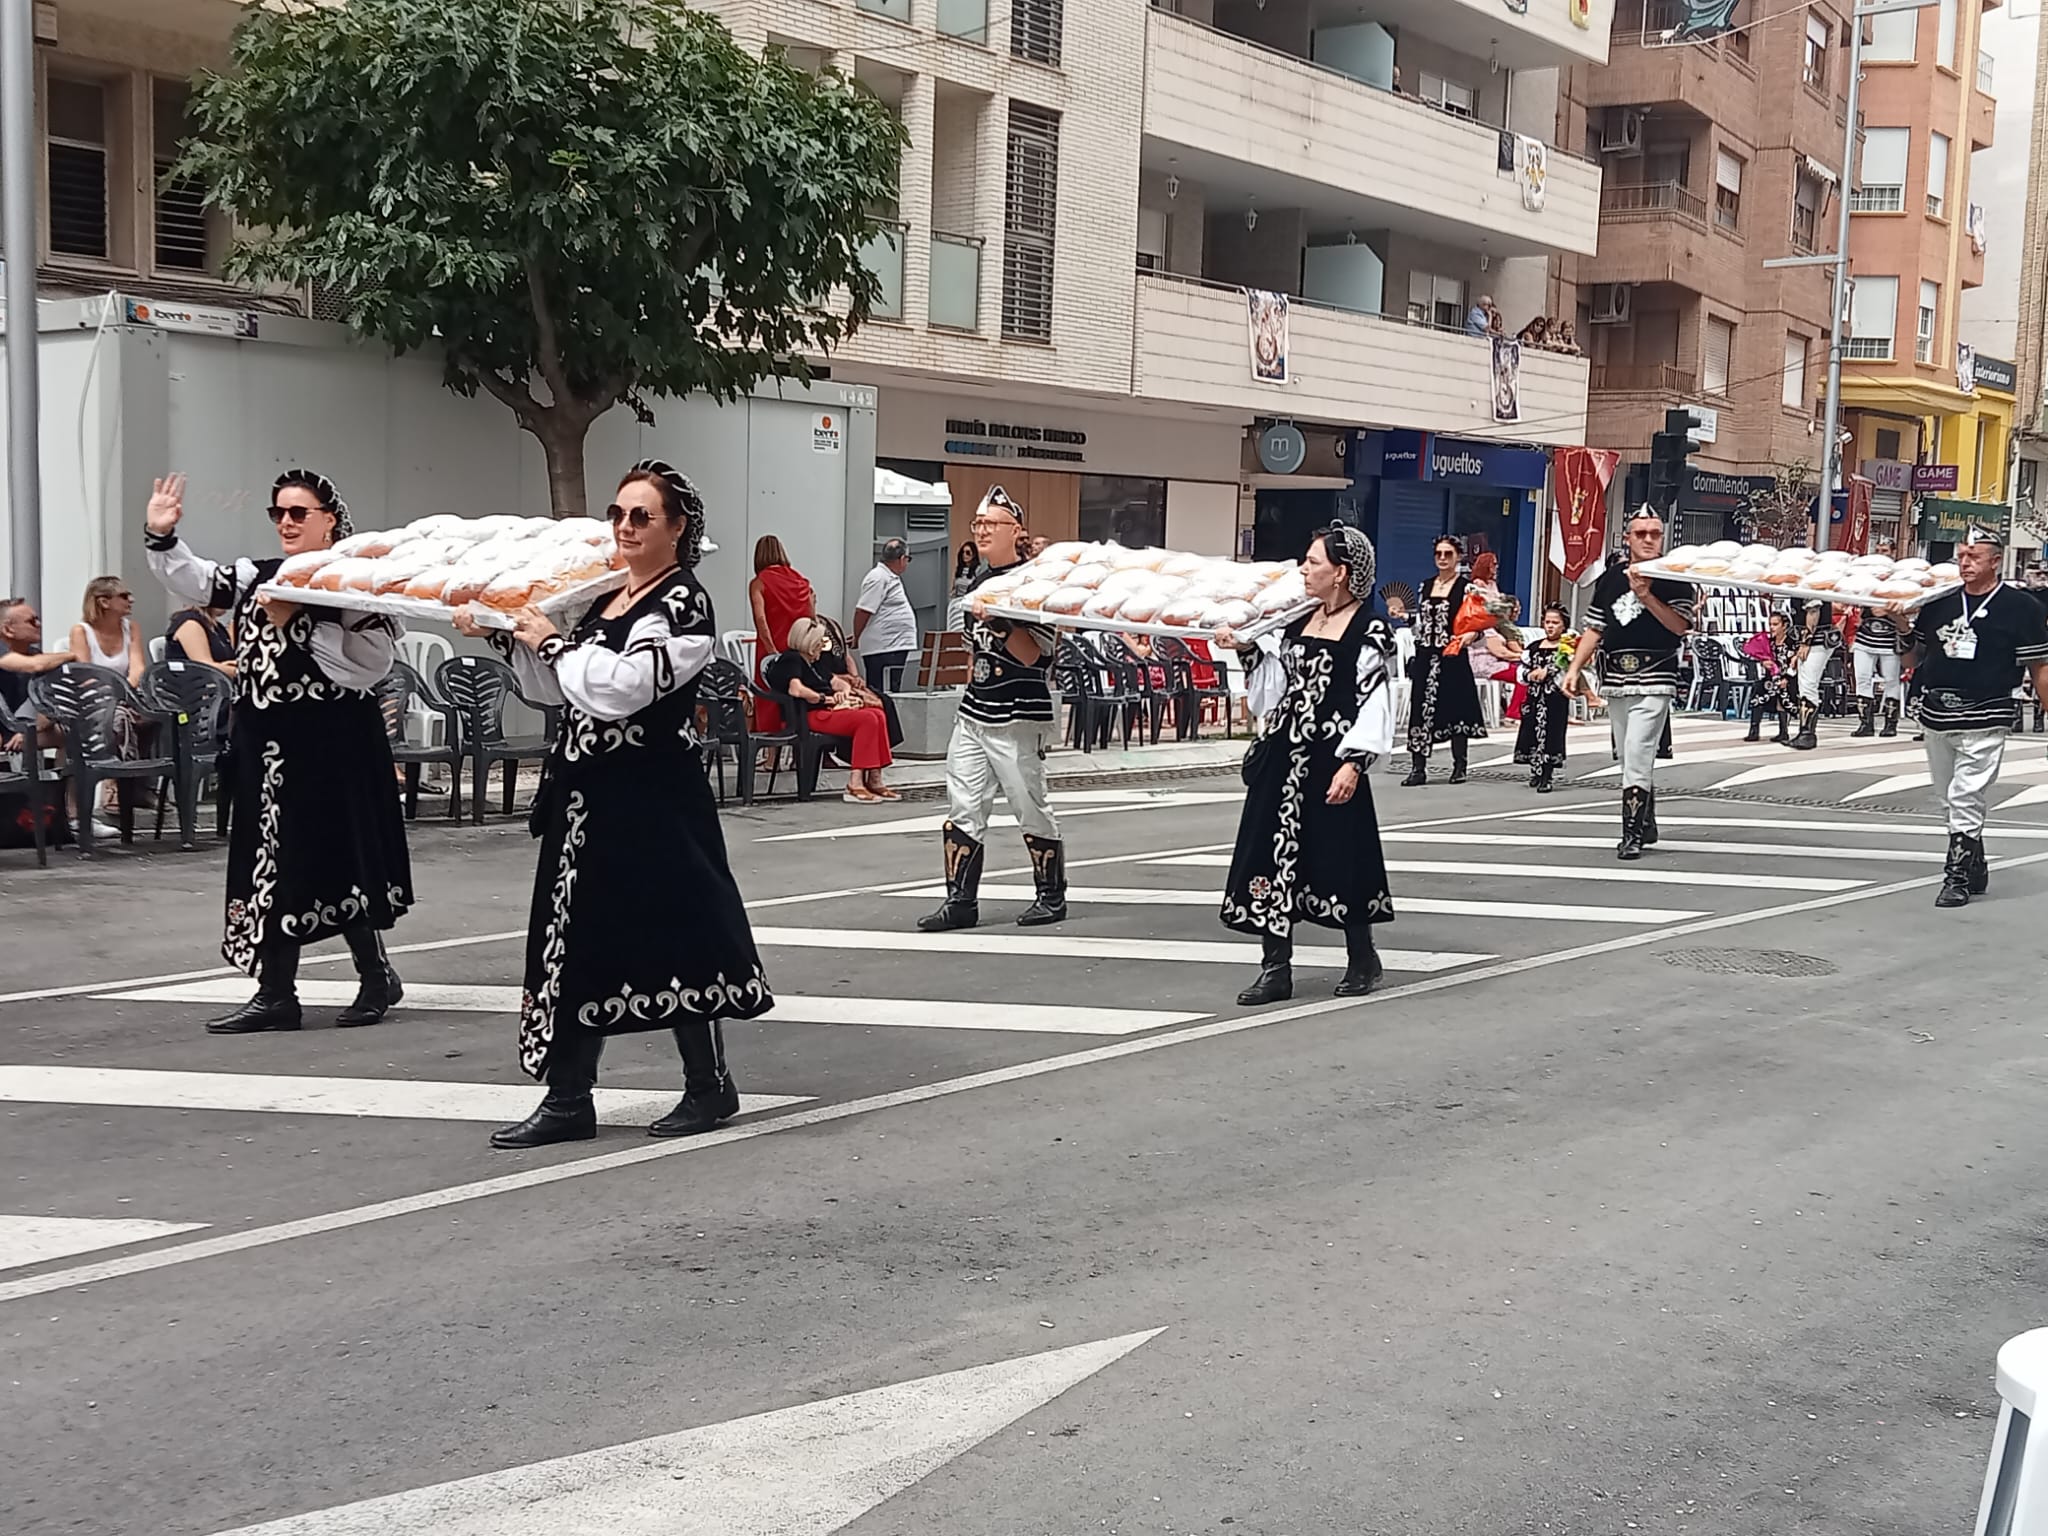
{"x":1689,"y":1195}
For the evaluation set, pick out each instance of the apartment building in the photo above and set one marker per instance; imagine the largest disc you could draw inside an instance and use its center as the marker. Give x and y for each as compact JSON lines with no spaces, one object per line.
{"x":1718,"y":156}
{"x":1931,"y":418}
{"x":1087,"y":194}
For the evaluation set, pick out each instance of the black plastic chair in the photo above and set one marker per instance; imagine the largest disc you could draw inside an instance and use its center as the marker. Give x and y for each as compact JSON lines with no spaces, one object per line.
{"x":395,"y":696}
{"x":194,"y":698}
{"x":28,"y":780}
{"x":1200,"y":694}
{"x":476,"y":689}
{"x":83,"y":701}
{"x":1148,"y":678}
{"x":808,"y":748}
{"x":1118,"y":696}
{"x":1074,"y":674}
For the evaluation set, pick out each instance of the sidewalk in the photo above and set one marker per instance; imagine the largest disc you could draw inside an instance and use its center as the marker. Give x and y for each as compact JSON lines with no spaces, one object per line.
{"x":1068,"y":769}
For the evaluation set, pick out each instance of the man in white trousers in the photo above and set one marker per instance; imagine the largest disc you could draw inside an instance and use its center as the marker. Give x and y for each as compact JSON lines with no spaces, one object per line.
{"x":1969,"y":649}
{"x":1000,"y":739}
{"x":1814,"y":632}
{"x":1635,"y":624}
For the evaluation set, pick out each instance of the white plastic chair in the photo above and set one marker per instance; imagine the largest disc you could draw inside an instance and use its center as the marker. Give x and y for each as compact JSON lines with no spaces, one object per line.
{"x":424,"y":653}
{"x":1404,"y":657}
{"x":737,"y":647}
{"x":158,"y":648}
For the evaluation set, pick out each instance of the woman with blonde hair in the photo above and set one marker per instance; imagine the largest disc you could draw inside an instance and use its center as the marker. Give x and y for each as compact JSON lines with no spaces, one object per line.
{"x":108,"y":637}
{"x":779,"y":595}
{"x":812,"y":672}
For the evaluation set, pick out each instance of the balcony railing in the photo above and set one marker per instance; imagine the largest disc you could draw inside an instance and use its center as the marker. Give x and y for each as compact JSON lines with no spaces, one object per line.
{"x":1878,"y":200}
{"x":1803,"y":222}
{"x":956,"y":281}
{"x":1868,"y":349}
{"x":1624,"y":204}
{"x":964,"y":19}
{"x":883,"y":256}
{"x":1984,"y":64}
{"x":1643,"y":378}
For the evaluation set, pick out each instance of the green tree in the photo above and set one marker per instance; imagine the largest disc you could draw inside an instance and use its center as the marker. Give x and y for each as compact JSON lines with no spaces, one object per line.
{"x":581,"y":204}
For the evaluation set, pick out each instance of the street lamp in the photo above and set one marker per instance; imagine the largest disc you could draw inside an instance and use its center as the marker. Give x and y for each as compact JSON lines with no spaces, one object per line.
{"x":18,"y":174}
{"x":1831,"y":451}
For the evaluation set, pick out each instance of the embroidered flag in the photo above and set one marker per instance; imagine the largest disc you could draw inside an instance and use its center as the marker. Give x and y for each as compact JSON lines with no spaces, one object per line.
{"x":1581,"y":476}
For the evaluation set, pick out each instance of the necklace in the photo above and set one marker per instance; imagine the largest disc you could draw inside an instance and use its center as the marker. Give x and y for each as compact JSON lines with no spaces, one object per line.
{"x":633,"y":594}
{"x":1325,"y":617}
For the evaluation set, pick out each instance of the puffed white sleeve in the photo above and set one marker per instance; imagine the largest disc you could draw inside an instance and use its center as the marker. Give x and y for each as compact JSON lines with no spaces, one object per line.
{"x":1371,"y":735}
{"x":355,"y":650}
{"x":536,"y":678}
{"x":1265,"y":677}
{"x":191,"y":579}
{"x":663,"y":651}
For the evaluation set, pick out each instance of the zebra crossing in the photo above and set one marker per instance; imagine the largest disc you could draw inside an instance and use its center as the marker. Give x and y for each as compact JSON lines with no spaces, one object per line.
{"x":1142,"y":951}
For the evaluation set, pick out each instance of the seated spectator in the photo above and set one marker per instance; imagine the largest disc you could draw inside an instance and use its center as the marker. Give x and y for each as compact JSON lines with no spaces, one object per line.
{"x":22,"y":657}
{"x":810,"y":671}
{"x":107,"y":637}
{"x":197,"y":634}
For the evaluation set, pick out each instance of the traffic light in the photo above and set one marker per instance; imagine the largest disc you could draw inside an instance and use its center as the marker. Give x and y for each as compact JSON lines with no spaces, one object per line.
{"x":1669,"y":451}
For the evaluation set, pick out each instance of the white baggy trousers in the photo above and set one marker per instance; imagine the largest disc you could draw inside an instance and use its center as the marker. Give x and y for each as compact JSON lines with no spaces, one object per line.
{"x":1637,"y":721}
{"x":1873,"y":667}
{"x":982,"y":759}
{"x":1964,"y":765}
{"x":1811,"y":671}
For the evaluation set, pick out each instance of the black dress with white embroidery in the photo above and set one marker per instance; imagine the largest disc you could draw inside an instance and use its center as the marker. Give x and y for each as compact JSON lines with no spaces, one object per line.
{"x":1299,"y":858}
{"x":316,"y":840}
{"x":1539,"y":741}
{"x":1443,"y":698}
{"x":637,"y":923}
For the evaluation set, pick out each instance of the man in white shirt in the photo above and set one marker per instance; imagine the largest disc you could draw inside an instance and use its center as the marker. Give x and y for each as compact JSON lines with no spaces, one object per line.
{"x":884,"y":624}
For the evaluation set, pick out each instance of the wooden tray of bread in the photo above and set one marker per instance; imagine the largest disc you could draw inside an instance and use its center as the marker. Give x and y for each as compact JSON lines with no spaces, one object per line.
{"x":1863,"y":581}
{"x":1146,"y":592}
{"x":429,"y":568}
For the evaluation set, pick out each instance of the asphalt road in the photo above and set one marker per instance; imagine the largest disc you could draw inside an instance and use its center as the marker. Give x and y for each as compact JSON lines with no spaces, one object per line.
{"x":1694,"y":1203}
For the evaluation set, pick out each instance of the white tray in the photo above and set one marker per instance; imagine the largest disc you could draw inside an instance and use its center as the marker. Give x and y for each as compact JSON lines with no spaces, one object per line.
{"x":1264,"y":624}
{"x":1766,"y":589}
{"x":580,"y":595}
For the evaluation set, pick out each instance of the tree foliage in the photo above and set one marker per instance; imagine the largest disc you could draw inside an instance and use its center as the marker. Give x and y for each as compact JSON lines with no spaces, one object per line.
{"x":580,"y":204}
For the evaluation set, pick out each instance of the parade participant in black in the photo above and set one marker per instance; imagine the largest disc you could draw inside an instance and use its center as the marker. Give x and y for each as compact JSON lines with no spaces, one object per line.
{"x":1636,"y":625}
{"x":636,"y":922}
{"x":1545,"y":710}
{"x":1000,"y":739}
{"x":316,"y":842}
{"x":1970,"y":650}
{"x":1773,"y":652}
{"x":1443,"y":699}
{"x":1815,"y":635}
{"x":1308,"y":844}
{"x":1879,"y":668}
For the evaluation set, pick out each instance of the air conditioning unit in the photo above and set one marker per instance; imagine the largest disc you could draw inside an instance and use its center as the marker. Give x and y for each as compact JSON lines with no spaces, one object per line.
{"x":1611,"y":303}
{"x":1621,"y":132}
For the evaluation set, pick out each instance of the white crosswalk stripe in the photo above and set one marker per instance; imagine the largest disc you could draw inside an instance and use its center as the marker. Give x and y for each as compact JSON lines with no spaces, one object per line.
{"x":1148,"y":896}
{"x":39,"y":1239}
{"x":1599,"y":874}
{"x":986,"y":943}
{"x":1668,"y":845}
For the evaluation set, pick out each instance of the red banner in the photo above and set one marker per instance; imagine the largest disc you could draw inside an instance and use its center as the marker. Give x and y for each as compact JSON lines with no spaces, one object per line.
{"x":1582,"y":476}
{"x":1856,"y":517}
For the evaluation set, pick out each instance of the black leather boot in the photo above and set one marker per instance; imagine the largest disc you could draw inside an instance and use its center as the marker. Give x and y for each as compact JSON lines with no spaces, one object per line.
{"x":1756,"y":723}
{"x":379,"y":990}
{"x":1809,"y":722}
{"x":1049,"y":874}
{"x":1980,"y":867}
{"x":962,"y":906}
{"x":1955,"y":874}
{"x":1418,"y":770}
{"x":1649,"y":827}
{"x":1664,"y":744}
{"x":1539,"y":780}
{"x":1362,"y":968}
{"x":2019,"y":719}
{"x":1784,"y":736}
{"x":709,"y":1096}
{"x":1460,"y":746}
{"x":1633,"y":802}
{"x":276,"y":1003}
{"x":1866,"y":724}
{"x":1891,"y":718}
{"x":1276,"y":974}
{"x":568,"y":1112}
{"x":2037,"y":719}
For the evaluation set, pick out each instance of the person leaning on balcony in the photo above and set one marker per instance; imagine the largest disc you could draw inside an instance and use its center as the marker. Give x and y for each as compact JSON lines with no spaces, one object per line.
{"x":1480,"y":317}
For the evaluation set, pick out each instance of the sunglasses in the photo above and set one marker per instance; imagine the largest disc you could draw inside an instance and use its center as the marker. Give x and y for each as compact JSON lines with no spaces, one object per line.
{"x":296,"y":514}
{"x":638,"y":517}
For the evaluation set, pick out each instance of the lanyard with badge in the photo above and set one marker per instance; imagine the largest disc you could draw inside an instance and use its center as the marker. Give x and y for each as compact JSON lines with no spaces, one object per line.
{"x":1959,"y":636}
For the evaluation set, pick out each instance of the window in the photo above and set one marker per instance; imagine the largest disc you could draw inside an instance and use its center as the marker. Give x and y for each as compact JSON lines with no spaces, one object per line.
{"x":1452,"y":96}
{"x":80,"y":169}
{"x":1436,"y":300}
{"x":1154,"y":237}
{"x":1881,"y":181}
{"x":1727,"y":190}
{"x":1892,"y":37}
{"x":1945,"y":35}
{"x":1815,"y":70}
{"x":1794,"y":395}
{"x":183,"y":226}
{"x":1124,"y":508}
{"x":1720,"y":349}
{"x":1035,"y":27}
{"x":1888,"y":444}
{"x":1030,"y":212}
{"x":1805,"y":212}
{"x":1873,"y":312}
{"x":1923,"y":334}
{"x":1937,"y":175}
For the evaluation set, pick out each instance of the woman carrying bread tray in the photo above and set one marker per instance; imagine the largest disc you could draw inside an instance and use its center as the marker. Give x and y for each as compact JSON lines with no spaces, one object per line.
{"x":636,"y":922}
{"x":1308,"y":845}
{"x":316,"y":842}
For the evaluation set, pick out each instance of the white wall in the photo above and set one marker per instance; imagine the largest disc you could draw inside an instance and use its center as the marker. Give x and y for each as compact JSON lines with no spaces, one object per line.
{"x":1201,"y":517}
{"x":1998,"y":180}
{"x":912,"y":425}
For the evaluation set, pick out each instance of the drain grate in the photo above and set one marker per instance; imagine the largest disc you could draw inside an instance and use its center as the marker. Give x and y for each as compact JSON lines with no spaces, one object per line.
{"x":1750,"y":962}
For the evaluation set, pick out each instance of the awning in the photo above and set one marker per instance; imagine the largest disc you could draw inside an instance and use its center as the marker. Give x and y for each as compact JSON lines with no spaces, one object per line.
{"x":1944,"y":519}
{"x":894,"y":490}
{"x":1818,"y":171}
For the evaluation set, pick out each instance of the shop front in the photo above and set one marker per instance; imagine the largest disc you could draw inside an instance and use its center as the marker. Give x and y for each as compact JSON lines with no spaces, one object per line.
{"x":1891,"y":485}
{"x":1945,"y":520}
{"x":1714,"y":506}
{"x":1078,"y":473}
{"x":1415,"y":487}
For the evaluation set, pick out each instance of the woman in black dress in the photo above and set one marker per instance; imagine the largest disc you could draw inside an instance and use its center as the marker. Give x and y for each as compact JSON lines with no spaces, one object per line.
{"x":1443,"y":697}
{"x":1308,"y":846}
{"x":636,"y":921}
{"x":316,"y":843}
{"x":1539,"y":744}
{"x":197,"y":634}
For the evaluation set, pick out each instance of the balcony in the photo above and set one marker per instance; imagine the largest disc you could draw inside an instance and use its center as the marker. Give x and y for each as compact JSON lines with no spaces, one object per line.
{"x":1984,"y":72}
{"x":1629,"y":205}
{"x":1643,"y":379}
{"x":956,"y":281}
{"x":1253,"y":122}
{"x":1659,"y":233}
{"x":883,"y":256}
{"x":1362,"y":370}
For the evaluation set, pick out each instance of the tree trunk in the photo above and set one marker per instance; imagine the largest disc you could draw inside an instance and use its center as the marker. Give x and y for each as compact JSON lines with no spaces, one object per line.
{"x":561,"y":440}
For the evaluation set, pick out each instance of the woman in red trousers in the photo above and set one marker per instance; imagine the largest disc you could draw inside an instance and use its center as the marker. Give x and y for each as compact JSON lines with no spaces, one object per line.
{"x":810,"y":670}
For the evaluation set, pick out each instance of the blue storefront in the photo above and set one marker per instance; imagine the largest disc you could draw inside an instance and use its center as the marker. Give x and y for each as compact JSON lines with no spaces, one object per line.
{"x":1415,"y":487}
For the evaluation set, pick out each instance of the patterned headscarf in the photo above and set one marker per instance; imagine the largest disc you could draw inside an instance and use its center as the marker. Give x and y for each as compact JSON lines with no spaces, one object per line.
{"x":322,"y":488}
{"x":1350,"y":548}
{"x":690,"y":548}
